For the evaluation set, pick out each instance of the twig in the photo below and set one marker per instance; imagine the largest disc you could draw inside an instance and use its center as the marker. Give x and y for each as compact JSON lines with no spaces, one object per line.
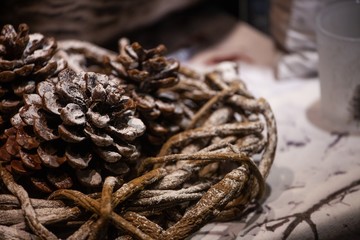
{"x":29,"y":212}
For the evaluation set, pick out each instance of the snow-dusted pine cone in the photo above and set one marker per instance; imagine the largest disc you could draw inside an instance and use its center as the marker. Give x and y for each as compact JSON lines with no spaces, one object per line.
{"x":25,"y":59}
{"x":151,"y":76}
{"x":77,"y":129}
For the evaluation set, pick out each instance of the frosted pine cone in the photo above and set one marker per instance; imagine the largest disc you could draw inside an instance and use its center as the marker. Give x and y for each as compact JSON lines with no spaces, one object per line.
{"x":77,"y":129}
{"x":149,"y":69}
{"x":25,"y":59}
{"x":151,"y":75}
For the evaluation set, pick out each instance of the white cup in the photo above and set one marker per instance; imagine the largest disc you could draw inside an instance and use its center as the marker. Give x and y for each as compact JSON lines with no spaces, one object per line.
{"x":338,"y":41}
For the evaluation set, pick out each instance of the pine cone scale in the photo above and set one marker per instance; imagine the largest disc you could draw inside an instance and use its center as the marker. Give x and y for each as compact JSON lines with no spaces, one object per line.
{"x":29,"y":113}
{"x":9,"y":105}
{"x":12,"y":147}
{"x":51,"y":102}
{"x":69,"y":134}
{"x":24,"y":71}
{"x":32,"y":99}
{"x":41,"y":185}
{"x":72,"y":115}
{"x":22,"y":88}
{"x":51,"y":154}
{"x":4,"y":154}
{"x":99,"y":139}
{"x":78,"y":159}
{"x":70,"y":91}
{"x":108,"y":154}
{"x":59,"y":179}
{"x":18,"y":167}
{"x":43,"y":54}
{"x":7,"y":65}
{"x":98,"y":120}
{"x":89,"y":178}
{"x":7,"y":76}
{"x":30,"y":160}
{"x":44,"y":87}
{"x":49,"y":68}
{"x":42,"y":129}
{"x":26,"y":138}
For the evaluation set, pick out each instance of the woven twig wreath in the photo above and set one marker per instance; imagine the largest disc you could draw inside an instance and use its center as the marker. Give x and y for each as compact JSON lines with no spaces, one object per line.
{"x":211,"y":168}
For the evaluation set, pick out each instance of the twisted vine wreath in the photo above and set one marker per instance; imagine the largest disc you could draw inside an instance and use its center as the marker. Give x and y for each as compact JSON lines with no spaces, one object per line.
{"x":212,"y":164}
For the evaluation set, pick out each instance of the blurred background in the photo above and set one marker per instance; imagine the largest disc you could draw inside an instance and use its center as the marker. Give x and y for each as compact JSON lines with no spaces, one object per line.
{"x":204,"y":23}
{"x":274,"y":33}
{"x":178,"y":24}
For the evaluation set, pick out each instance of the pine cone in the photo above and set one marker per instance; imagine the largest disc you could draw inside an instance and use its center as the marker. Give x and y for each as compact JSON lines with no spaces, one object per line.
{"x":149,"y":69}
{"x":75,"y":131}
{"x":25,"y":59}
{"x":151,"y":75}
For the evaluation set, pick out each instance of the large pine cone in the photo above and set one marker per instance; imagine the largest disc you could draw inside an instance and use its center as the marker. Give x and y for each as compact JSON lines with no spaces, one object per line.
{"x":75,"y":131}
{"x":25,"y":59}
{"x":151,"y":75}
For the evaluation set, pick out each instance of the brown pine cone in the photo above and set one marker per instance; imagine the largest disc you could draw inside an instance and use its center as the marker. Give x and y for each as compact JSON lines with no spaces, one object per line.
{"x":73,"y":132}
{"x":25,"y":59}
{"x":149,"y":69}
{"x":151,"y":75}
